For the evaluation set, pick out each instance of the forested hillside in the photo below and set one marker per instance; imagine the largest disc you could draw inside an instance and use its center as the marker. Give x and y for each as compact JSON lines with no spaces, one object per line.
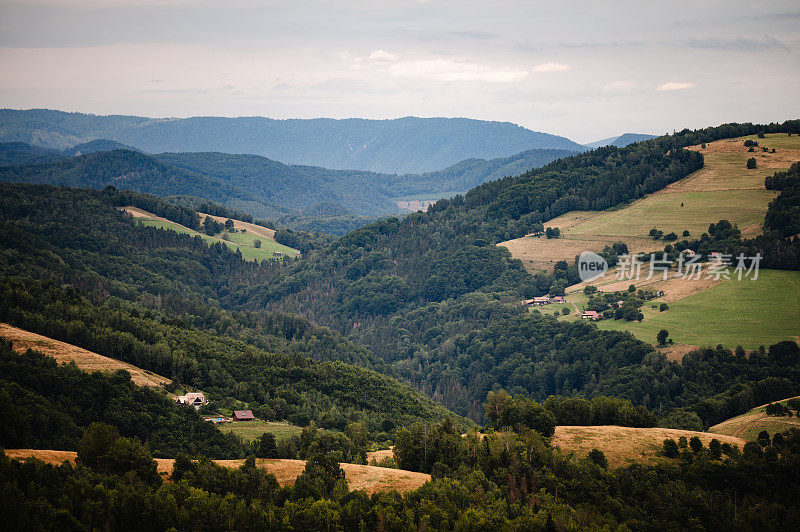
{"x":426,"y":293}
{"x":301,"y":197}
{"x":404,"y":145}
{"x":74,"y":268}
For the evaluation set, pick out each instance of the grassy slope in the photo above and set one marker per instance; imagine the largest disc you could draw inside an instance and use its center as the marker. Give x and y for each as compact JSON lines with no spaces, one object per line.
{"x":750,"y":313}
{"x":749,"y":425}
{"x":723,"y":189}
{"x":65,"y":353}
{"x":747,"y":313}
{"x":625,"y":445}
{"x":241,"y":241}
{"x":252,"y":430}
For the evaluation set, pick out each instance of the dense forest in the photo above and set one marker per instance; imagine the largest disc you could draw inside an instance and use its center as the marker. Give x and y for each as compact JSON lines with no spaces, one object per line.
{"x":511,"y":480}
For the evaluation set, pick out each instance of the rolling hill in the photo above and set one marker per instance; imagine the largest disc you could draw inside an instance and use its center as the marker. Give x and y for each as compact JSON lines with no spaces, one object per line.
{"x":750,"y":424}
{"x":86,"y":360}
{"x":700,"y":312}
{"x":371,"y":479}
{"x":404,"y":145}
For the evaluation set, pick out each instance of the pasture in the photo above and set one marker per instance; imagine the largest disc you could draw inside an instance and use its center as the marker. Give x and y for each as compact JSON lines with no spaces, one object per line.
{"x":252,"y":430}
{"x":244,"y":242}
{"x":722,"y":189}
{"x":747,"y":313}
{"x":747,"y":426}
{"x":623,"y":446}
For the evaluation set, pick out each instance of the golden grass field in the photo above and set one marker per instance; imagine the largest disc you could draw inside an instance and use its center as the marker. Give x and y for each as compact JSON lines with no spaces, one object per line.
{"x":371,"y":479}
{"x":723,"y":189}
{"x":626,"y":445}
{"x":747,"y":426}
{"x":65,"y":353}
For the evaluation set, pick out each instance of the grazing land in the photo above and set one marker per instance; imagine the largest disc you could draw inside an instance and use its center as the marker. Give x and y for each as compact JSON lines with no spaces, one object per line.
{"x":626,"y":445}
{"x":244,"y":242}
{"x":749,"y":425}
{"x":371,"y":479}
{"x":747,"y":313}
{"x":722,"y":189}
{"x":252,"y":430}
{"x":85,"y":360}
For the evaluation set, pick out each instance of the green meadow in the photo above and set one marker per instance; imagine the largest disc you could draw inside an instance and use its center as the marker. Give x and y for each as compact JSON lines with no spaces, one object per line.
{"x":252,"y":430}
{"x":747,"y":313}
{"x":244,"y":242}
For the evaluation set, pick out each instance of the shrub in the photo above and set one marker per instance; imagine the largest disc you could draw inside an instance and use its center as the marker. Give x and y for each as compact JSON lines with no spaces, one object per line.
{"x":751,"y":163}
{"x":597,"y":457}
{"x":566,"y":311}
{"x":663,"y":307}
{"x":686,"y":232}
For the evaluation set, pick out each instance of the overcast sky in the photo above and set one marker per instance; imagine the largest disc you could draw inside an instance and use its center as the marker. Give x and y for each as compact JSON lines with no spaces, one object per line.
{"x":585,"y":70}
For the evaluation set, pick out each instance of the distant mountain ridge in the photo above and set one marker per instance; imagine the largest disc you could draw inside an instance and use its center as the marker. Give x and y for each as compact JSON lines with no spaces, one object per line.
{"x":620,"y":141}
{"x":403,"y":145}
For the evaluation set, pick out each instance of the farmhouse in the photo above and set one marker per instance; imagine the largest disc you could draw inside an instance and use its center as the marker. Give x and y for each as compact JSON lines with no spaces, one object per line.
{"x":277,"y":253}
{"x":196,"y":399}
{"x":559,"y":299}
{"x":243,"y":415}
{"x":540,"y":301}
{"x":590,"y":315}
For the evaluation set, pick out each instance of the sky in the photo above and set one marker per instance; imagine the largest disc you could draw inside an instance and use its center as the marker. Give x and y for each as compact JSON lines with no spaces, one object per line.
{"x":584,"y":70}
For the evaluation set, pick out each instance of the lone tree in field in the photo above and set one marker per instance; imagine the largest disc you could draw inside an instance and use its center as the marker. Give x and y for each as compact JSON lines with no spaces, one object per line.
{"x":256,"y":243}
{"x":662,"y":336}
{"x":751,"y":163}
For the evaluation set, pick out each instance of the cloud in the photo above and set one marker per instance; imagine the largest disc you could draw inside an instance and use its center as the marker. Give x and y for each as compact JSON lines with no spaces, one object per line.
{"x":551,"y":67}
{"x":674,"y":86}
{"x":382,"y":55}
{"x":619,"y":86}
{"x":452,"y":70}
{"x":739,"y":45}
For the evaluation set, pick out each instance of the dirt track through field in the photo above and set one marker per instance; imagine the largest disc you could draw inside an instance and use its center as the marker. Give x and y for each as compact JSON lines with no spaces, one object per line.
{"x":371,"y":479}
{"x":65,"y":353}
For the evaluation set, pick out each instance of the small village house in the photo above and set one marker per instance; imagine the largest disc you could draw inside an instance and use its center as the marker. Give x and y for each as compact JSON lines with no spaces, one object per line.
{"x":559,"y":299}
{"x":540,"y":301}
{"x":243,"y":415}
{"x":590,"y":315}
{"x":195,"y":399}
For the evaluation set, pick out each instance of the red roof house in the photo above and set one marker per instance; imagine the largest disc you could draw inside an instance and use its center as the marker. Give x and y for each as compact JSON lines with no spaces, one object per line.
{"x":590,"y":315}
{"x":243,"y":415}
